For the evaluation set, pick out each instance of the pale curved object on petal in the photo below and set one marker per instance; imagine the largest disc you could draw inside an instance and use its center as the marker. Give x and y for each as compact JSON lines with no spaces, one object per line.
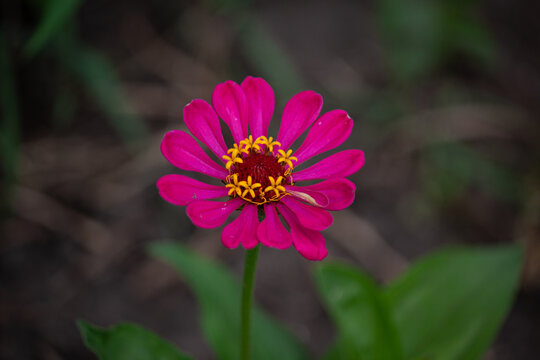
{"x":339,"y":192}
{"x":327,"y":133}
{"x":181,"y":190}
{"x":185,"y":153}
{"x":203,"y":123}
{"x":299,"y":113}
{"x":231,"y":105}
{"x":211,"y":214}
{"x":260,"y":98}
{"x":271,"y":231}
{"x":309,"y":216}
{"x":310,"y":196}
{"x":338,"y":165}
{"x":242,"y":230}
{"x":309,"y":243}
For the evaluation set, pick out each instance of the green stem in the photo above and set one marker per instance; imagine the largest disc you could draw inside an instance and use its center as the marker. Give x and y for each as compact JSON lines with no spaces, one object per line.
{"x":250,"y":265}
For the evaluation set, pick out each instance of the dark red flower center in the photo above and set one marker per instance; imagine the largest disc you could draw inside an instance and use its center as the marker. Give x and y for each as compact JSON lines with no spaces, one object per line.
{"x":256,"y":173}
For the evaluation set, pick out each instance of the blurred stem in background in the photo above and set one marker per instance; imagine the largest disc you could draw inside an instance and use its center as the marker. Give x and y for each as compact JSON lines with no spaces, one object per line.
{"x":55,"y":37}
{"x":9,"y":128}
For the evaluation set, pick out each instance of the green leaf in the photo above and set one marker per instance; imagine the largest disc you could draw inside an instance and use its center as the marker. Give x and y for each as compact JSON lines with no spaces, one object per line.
{"x":451,"y":304}
{"x":360,"y":312}
{"x":56,"y":13}
{"x":218,"y":294}
{"x":127,"y":342}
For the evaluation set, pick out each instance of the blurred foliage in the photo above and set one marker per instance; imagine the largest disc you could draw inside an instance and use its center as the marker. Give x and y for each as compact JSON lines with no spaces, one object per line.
{"x":218,"y":294}
{"x":448,"y":305}
{"x":9,"y":127}
{"x":421,"y":35}
{"x":263,"y":53}
{"x":55,"y":14}
{"x":449,"y":170}
{"x":360,"y":312}
{"x":91,"y":70}
{"x":55,"y":38}
{"x":97,"y":75}
{"x":269,"y":59}
{"x":127,"y":342}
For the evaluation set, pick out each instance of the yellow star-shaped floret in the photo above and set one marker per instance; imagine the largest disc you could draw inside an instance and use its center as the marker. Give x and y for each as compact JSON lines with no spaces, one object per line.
{"x":286,"y":157}
{"x":249,"y":187}
{"x":231,"y":160}
{"x":234,"y":187}
{"x":235,"y":150}
{"x":275,"y":186}
{"x":249,"y":144}
{"x":268,"y":142}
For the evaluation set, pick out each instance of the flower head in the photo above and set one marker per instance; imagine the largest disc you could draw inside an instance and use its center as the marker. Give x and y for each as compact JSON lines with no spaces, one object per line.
{"x":260,"y":174}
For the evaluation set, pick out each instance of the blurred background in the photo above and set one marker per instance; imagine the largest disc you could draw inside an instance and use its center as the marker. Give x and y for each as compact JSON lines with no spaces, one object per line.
{"x":445,"y":98}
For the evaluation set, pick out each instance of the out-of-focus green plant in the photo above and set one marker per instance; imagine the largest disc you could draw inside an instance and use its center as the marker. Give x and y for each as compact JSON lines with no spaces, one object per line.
{"x":448,"y":170}
{"x":448,"y":305}
{"x":97,"y":76}
{"x":55,"y":15}
{"x":78,"y":65}
{"x":127,"y":342}
{"x":218,"y":294}
{"x":261,"y":51}
{"x":421,"y":35}
{"x":9,"y":127}
{"x":55,"y":36}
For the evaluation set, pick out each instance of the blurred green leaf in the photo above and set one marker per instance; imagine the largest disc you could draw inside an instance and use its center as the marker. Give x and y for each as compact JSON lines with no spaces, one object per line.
{"x":99,"y":78}
{"x":465,"y":34}
{"x":228,"y":6}
{"x":65,"y":105}
{"x":269,"y":59}
{"x":412,"y":35}
{"x":448,"y":169}
{"x":127,"y":342}
{"x":450,"y":304}
{"x":218,"y":294}
{"x":9,"y":127}
{"x":421,"y":35}
{"x":55,"y":14}
{"x":360,"y":312}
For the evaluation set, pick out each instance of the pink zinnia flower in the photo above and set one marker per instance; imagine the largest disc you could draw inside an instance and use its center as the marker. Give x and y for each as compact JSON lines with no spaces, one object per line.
{"x":260,"y":174}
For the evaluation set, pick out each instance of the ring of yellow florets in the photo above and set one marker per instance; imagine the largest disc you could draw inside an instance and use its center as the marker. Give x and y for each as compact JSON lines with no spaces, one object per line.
{"x":257,"y":174}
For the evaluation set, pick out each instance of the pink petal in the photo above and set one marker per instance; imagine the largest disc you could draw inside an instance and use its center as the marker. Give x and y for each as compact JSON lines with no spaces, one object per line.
{"x":260,"y":98}
{"x":328,"y":132}
{"x":271,"y":231}
{"x":211,"y":214}
{"x":309,"y":243}
{"x":203,"y":123}
{"x":309,"y":196}
{"x":299,"y":113}
{"x":181,"y":190}
{"x":338,"y":165}
{"x":339,"y":192}
{"x":309,"y":216}
{"x":243,"y":229}
{"x":231,"y":105}
{"x":185,"y":153}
